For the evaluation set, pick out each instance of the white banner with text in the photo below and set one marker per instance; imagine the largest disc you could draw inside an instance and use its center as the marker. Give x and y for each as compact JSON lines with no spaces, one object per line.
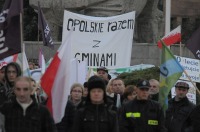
{"x":101,"y":41}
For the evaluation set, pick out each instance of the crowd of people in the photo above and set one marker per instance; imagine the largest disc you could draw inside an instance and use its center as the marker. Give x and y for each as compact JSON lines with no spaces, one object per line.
{"x":101,"y":104}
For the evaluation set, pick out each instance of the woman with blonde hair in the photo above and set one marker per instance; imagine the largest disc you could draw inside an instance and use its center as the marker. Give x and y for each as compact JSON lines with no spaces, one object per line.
{"x":73,"y":104}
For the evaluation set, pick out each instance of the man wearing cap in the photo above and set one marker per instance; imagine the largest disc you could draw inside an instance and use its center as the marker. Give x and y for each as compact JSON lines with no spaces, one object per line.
{"x":142,"y":114}
{"x":179,"y":109}
{"x":103,"y":73}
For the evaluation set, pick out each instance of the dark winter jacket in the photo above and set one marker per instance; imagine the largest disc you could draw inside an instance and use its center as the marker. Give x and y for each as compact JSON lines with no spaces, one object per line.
{"x":36,"y":119}
{"x":195,"y":118}
{"x":142,"y":116}
{"x":3,"y":96}
{"x":67,"y":121}
{"x":178,"y":115}
{"x":95,"y":118}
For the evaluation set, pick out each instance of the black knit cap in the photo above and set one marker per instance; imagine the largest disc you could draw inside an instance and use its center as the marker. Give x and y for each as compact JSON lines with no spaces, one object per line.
{"x":96,"y":82}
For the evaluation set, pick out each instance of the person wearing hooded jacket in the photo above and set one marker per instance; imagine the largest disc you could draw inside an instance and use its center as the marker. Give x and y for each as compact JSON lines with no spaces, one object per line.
{"x":95,"y":116}
{"x":12,"y":71}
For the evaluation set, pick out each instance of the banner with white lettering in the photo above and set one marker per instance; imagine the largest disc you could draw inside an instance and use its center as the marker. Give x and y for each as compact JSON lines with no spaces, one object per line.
{"x":101,"y":41}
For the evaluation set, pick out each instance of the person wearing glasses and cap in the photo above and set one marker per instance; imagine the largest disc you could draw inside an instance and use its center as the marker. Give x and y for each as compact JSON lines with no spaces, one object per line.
{"x":179,"y":109}
{"x":142,"y":114}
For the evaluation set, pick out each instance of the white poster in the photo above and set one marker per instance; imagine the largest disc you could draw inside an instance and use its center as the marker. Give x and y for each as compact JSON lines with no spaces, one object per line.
{"x":191,"y":66}
{"x":101,"y":41}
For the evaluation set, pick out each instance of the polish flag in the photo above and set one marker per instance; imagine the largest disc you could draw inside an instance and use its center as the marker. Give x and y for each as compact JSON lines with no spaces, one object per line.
{"x":172,"y":37}
{"x":56,"y":81}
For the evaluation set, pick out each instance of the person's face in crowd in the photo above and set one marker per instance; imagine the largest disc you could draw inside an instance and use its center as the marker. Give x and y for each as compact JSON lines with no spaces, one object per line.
{"x":85,"y":92}
{"x":132,"y":96}
{"x":102,"y":74}
{"x":142,"y":93}
{"x":23,"y":91}
{"x":96,"y":95}
{"x":180,"y":93}
{"x":11,"y":73}
{"x":2,"y":73}
{"x":33,"y":86}
{"x":154,"y":89}
{"x":31,"y":66}
{"x":76,"y":93}
{"x":118,"y":86}
{"x":109,"y":88}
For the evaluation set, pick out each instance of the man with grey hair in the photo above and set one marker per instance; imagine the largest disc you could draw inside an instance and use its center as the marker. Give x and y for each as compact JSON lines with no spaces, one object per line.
{"x":154,"y":89}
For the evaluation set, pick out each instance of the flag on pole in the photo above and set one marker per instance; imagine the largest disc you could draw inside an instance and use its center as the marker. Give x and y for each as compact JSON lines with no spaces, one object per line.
{"x":171,"y":38}
{"x":193,"y":44}
{"x":56,"y":81}
{"x":24,"y":64}
{"x":10,"y":34}
{"x":42,"y":62}
{"x":43,"y":26}
{"x":170,"y":72}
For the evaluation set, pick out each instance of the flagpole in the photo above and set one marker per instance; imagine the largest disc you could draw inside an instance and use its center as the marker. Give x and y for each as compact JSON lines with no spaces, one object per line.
{"x":167,"y":16}
{"x":21,"y":37}
{"x":192,"y":82}
{"x":38,"y":39}
{"x":180,"y":48}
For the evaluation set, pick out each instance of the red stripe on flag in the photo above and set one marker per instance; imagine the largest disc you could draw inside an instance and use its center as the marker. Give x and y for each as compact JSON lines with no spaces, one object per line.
{"x":48,"y":79}
{"x":15,"y":57}
{"x":170,"y":40}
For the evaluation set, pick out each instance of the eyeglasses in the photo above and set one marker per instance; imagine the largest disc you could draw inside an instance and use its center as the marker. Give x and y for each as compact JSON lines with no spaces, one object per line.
{"x":77,"y":91}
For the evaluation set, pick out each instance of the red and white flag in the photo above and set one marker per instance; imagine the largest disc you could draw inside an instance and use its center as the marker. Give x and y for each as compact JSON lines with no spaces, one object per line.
{"x":172,"y":37}
{"x":56,"y":81}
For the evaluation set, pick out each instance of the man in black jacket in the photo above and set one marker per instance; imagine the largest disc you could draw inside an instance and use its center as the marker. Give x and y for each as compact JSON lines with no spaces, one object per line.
{"x":95,"y":116}
{"x":179,"y":109}
{"x":22,"y":114}
{"x":142,"y":114}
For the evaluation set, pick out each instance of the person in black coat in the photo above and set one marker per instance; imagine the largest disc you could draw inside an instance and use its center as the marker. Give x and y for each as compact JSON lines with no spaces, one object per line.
{"x":142,"y":114}
{"x":22,"y":114}
{"x":95,"y":116}
{"x":74,"y":103}
{"x":179,"y":110}
{"x":195,"y":118}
